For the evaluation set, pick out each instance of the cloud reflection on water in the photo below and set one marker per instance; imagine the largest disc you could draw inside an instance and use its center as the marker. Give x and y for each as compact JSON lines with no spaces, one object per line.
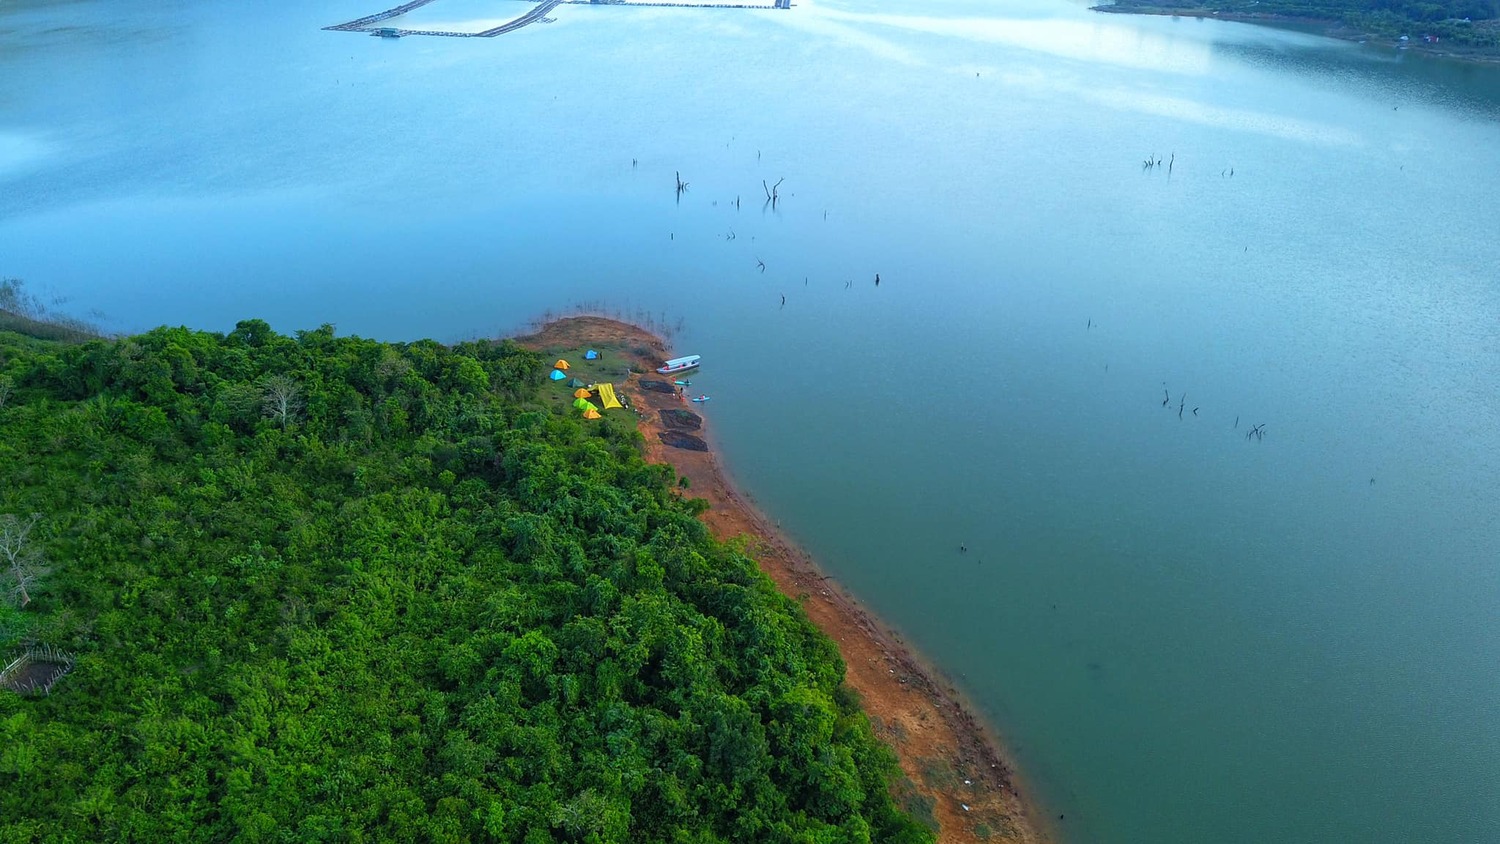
{"x":1094,"y":43}
{"x":18,"y":151}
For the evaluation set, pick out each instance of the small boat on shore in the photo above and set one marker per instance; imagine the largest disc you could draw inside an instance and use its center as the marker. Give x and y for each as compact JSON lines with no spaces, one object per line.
{"x":676,"y":365}
{"x":683,"y":383}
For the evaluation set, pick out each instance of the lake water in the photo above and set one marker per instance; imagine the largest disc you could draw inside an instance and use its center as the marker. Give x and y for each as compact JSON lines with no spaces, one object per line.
{"x":1184,"y":635}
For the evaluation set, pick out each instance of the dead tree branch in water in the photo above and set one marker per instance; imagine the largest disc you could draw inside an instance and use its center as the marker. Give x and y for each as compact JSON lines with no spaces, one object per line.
{"x":772,"y":197}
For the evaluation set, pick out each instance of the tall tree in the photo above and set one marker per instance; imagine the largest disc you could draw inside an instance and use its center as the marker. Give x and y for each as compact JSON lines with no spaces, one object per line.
{"x":21,"y":558}
{"x":283,"y":398}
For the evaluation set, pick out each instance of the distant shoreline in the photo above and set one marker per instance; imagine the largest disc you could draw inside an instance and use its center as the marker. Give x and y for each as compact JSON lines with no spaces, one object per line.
{"x":954,"y":760}
{"x":1320,"y":26}
{"x":43,"y":327}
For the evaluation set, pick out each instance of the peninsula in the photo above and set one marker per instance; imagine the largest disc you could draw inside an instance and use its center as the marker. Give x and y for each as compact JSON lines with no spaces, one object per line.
{"x":265,"y":587}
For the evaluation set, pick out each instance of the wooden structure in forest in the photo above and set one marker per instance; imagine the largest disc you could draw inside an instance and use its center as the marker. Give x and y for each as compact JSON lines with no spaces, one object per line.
{"x":36,"y":670}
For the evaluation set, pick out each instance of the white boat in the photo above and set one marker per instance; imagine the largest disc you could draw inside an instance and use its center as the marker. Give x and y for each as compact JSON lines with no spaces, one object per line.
{"x":676,"y":365}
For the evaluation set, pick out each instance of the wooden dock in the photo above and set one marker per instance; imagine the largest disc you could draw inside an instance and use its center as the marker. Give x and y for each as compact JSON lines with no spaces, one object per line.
{"x":364,"y":24}
{"x":538,"y":14}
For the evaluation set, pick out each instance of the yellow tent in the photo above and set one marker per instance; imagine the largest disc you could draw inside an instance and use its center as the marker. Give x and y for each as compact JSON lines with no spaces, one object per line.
{"x":607,"y":396}
{"x":591,"y":414}
{"x":561,"y":364}
{"x":580,"y":393}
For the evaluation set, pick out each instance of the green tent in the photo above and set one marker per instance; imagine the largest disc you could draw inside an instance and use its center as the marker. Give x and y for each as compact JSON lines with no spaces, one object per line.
{"x":582,"y":403}
{"x":576,"y":383}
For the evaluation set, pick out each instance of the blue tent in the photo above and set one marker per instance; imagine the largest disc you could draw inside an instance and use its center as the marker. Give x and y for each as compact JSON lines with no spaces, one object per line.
{"x":558,"y":375}
{"x":590,"y":355}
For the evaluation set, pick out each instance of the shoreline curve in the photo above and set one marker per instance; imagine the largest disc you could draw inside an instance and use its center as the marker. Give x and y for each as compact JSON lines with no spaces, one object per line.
{"x":954,"y":762}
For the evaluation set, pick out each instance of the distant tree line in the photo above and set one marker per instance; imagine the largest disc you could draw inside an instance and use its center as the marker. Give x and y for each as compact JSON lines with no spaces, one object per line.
{"x":22,"y":311}
{"x":1469,"y":23}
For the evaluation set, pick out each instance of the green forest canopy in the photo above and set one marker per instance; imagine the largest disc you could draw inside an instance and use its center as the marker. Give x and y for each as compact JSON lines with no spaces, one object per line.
{"x":330,"y":589}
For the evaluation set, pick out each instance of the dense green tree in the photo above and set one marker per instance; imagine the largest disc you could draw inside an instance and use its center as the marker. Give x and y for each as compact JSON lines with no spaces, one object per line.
{"x":324,"y":588}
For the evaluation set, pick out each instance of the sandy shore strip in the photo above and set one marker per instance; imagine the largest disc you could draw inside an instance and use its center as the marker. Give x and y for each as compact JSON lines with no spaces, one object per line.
{"x":958,"y":777}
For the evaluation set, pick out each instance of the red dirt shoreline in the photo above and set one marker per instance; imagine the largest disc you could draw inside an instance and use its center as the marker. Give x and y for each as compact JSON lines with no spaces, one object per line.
{"x":951,"y":758}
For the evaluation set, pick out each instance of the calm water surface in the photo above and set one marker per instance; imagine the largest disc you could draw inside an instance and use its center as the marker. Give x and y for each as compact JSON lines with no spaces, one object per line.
{"x":1184,"y":635}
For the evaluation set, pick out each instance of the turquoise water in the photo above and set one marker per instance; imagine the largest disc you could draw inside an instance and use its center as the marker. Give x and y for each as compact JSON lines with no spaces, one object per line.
{"x":1185,"y":636}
